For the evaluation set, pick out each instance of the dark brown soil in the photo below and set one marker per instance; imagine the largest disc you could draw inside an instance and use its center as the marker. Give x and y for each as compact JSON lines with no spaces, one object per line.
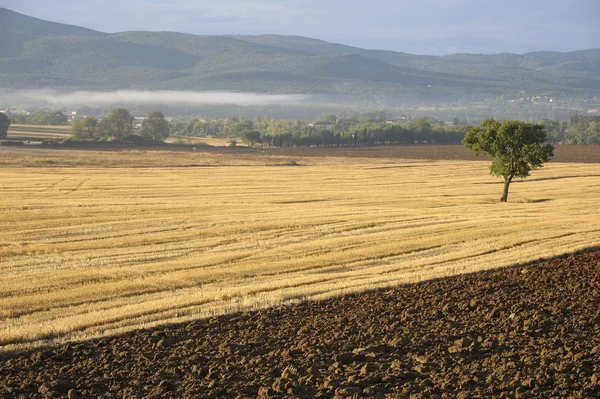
{"x":529,"y":331}
{"x":562,"y":153}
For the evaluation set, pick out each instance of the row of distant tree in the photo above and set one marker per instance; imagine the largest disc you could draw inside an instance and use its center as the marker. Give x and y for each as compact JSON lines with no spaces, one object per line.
{"x":580,"y":129}
{"x":53,"y":118}
{"x":331,"y":131}
{"x":119,"y":125}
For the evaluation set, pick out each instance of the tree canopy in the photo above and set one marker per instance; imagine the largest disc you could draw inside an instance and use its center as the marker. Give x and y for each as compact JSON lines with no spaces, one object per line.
{"x":251,"y":137}
{"x":117,"y":124}
{"x":155,"y":126}
{"x":4,"y":125}
{"x":85,"y":128}
{"x":41,"y":117}
{"x":516,"y":148}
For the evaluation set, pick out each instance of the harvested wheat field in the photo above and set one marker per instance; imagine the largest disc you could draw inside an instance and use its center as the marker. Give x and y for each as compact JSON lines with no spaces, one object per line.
{"x":89,"y":252}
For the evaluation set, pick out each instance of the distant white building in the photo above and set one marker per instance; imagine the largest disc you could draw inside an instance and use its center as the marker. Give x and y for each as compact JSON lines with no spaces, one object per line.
{"x":137,"y":123}
{"x":402,"y":119}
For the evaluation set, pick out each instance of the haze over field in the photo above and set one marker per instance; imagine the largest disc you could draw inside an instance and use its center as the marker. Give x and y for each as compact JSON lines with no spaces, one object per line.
{"x":101,"y":98}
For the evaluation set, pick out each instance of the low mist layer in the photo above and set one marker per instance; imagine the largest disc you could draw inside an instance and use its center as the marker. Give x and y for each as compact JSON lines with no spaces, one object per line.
{"x":99,"y":98}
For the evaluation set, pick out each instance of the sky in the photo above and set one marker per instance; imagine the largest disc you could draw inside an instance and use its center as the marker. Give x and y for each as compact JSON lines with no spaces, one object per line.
{"x":434,"y":27}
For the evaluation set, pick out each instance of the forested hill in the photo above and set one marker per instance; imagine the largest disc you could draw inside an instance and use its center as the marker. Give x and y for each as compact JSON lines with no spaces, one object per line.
{"x":36,"y":53}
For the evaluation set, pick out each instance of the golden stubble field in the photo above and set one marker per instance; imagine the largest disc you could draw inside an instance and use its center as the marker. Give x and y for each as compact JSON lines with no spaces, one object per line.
{"x":92,"y":251}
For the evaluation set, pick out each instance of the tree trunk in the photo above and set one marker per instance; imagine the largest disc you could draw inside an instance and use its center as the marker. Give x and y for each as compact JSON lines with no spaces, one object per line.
{"x":506,"y":185}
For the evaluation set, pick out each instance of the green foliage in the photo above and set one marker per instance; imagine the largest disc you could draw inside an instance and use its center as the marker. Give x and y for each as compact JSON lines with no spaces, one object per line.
{"x":516,"y":148}
{"x":251,"y":137}
{"x":4,"y":125}
{"x":49,"y":118}
{"x":53,"y":118}
{"x":579,"y":129}
{"x":118,"y":124}
{"x":155,"y":126}
{"x":345,"y":131}
{"x":85,"y":128}
{"x":584,"y":130}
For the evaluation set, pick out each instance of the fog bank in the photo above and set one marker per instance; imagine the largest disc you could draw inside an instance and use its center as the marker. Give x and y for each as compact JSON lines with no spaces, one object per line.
{"x":166,"y":97}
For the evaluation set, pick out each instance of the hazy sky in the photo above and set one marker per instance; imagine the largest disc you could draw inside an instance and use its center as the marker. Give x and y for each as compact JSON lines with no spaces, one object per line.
{"x":416,"y":26}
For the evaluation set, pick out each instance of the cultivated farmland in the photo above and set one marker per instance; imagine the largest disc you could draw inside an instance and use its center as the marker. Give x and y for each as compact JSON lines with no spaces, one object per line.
{"x":531,"y":331}
{"x":38,"y":133}
{"x":93,"y":251}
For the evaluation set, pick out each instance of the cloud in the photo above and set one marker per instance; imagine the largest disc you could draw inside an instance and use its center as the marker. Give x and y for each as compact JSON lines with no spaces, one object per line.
{"x":99,"y":98}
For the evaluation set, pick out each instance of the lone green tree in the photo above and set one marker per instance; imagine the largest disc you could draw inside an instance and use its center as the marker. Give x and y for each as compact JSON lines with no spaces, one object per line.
{"x":155,"y":126}
{"x":516,"y":148}
{"x":4,"y":125}
{"x":117,"y":124}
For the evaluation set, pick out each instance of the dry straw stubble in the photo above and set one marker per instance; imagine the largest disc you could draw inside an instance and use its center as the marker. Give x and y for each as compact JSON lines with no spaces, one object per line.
{"x":87,"y":252}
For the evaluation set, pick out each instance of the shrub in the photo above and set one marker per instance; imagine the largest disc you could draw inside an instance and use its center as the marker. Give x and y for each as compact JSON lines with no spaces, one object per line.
{"x":82,"y":142}
{"x":51,"y":142}
{"x":135,"y":139}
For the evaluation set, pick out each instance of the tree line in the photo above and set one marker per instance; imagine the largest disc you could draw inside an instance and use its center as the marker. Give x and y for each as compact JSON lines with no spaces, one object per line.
{"x":119,"y":125}
{"x":50,"y":118}
{"x":366,"y":129}
{"x":580,"y":129}
{"x":332,"y":131}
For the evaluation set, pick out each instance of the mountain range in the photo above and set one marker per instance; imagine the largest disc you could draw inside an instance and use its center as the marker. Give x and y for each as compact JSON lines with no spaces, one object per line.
{"x":42,"y":54}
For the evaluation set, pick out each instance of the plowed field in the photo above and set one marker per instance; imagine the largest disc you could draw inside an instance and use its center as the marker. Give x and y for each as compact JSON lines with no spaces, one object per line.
{"x":562,"y":153}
